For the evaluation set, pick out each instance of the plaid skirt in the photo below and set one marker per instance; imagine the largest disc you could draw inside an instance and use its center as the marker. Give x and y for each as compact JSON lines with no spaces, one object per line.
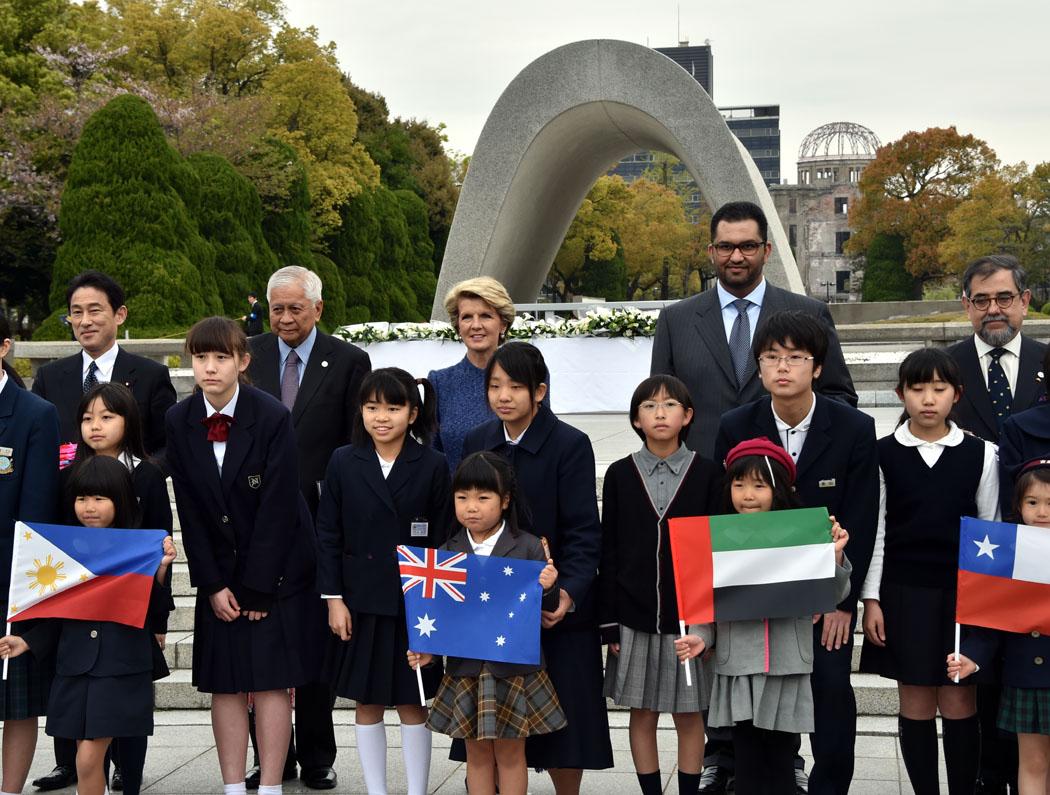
{"x":489,"y":708}
{"x":25,"y":693}
{"x":1024,"y":710}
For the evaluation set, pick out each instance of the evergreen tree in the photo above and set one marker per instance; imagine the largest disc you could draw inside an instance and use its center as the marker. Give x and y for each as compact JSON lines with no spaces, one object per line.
{"x":885,"y":276}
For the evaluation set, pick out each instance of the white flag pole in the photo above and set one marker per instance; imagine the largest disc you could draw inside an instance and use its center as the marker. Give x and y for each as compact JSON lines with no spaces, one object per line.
{"x":5,"y":658}
{"x":419,"y":681}
{"x":688,"y":675}
{"x":19,"y":529}
{"x":957,"y":633}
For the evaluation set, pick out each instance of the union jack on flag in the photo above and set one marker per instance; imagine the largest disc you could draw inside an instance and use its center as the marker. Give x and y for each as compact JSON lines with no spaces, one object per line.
{"x":430,"y":573}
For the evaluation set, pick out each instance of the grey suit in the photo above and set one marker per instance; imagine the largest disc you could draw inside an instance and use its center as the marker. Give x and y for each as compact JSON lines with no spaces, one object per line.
{"x":691,"y":344}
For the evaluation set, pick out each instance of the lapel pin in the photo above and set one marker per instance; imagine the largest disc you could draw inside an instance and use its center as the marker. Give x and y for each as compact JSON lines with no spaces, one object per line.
{"x":324,"y":363}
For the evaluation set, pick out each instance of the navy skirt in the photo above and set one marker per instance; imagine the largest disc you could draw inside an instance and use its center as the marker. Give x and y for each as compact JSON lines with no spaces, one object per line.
{"x":86,"y":707}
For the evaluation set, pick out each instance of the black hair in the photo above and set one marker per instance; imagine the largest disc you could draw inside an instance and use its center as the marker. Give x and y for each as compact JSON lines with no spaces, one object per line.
{"x":1025,"y":480}
{"x":488,"y":471}
{"x":732,"y":212}
{"x":922,"y":367}
{"x":1046,"y":370}
{"x":398,"y":388}
{"x":650,"y":388}
{"x":986,"y":266}
{"x":252,"y":294}
{"x":758,"y":467}
{"x":118,"y":399}
{"x":523,"y":362}
{"x":5,"y":327}
{"x":800,"y":330}
{"x":102,"y":476}
{"x":100,"y":281}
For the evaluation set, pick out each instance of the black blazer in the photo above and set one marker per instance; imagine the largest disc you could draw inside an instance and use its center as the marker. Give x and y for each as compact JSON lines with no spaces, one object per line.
{"x":249,"y":529}
{"x":522,"y":546}
{"x":554,"y":463}
{"x":691,"y":344}
{"x":1026,"y":436}
{"x":838,"y":468}
{"x":973,"y":412}
{"x":326,"y":404}
{"x":253,"y":321}
{"x":62,"y":383}
{"x":362,"y":518}
{"x":1014,"y":654}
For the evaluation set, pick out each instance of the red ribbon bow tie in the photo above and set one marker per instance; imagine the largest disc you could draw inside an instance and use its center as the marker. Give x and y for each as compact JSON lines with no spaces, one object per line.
{"x":218,"y":427}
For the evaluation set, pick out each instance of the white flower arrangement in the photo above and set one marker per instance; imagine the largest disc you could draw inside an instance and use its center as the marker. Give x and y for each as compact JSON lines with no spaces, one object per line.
{"x":625,"y":322}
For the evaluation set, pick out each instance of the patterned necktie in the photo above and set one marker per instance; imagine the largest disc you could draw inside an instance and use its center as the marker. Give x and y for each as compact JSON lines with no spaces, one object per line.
{"x":740,"y":341}
{"x":290,"y":380}
{"x":218,"y":426}
{"x":91,"y":379}
{"x":999,"y":388}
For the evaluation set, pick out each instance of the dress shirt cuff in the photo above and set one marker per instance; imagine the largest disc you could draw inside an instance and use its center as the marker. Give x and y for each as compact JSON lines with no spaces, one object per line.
{"x":331,"y":596}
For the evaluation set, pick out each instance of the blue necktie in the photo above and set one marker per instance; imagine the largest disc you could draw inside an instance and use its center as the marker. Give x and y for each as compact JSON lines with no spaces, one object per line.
{"x":999,"y":388}
{"x":91,"y":379}
{"x":740,"y":341}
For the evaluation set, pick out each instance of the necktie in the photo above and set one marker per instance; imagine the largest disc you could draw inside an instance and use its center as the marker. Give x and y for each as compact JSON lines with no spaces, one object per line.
{"x":218,"y":426}
{"x":290,"y":380}
{"x":740,"y":341}
{"x":91,"y":379}
{"x":999,"y":388}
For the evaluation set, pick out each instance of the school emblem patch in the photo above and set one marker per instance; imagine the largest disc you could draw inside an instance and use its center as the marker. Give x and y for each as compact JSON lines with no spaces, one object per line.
{"x":254,"y":481}
{"x":7,"y":465}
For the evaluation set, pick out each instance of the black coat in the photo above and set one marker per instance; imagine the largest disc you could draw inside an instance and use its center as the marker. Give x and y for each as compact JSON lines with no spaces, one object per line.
{"x":249,"y":529}
{"x":326,"y":405}
{"x":62,"y":383}
{"x":253,"y":321}
{"x":838,"y":468}
{"x":363,"y":517}
{"x":973,"y":412}
{"x":1022,"y":658}
{"x":554,"y":463}
{"x":1025,"y":437}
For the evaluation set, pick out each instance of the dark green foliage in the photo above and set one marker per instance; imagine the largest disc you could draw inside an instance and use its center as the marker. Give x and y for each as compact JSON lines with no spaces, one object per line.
{"x":27,"y":252}
{"x":605,"y":278}
{"x":420,"y":256}
{"x":280,"y":179}
{"x":885,"y":277}
{"x":230,"y":218}
{"x":334,"y":293}
{"x":129,"y":209}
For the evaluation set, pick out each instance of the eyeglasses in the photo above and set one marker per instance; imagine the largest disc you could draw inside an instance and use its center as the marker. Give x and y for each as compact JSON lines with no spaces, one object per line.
{"x":792,"y":359}
{"x":748,"y":248}
{"x":650,"y":406}
{"x":1004,"y":300}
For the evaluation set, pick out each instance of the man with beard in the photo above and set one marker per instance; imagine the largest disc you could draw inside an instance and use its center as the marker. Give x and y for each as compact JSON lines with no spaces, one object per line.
{"x":1002,"y":374}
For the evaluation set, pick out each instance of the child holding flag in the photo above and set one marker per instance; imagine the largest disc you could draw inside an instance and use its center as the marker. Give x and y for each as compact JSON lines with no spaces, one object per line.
{"x":931,"y":474}
{"x":104,"y":672}
{"x":494,"y":706}
{"x":637,"y":603}
{"x":386,"y":488}
{"x":761,"y":668}
{"x":1024,"y":708}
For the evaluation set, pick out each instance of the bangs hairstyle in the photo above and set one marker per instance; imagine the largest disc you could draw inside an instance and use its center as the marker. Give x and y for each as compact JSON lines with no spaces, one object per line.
{"x":522,"y":362}
{"x":117,"y":399}
{"x":488,"y":471}
{"x":1024,"y":483}
{"x":926,"y":365}
{"x":793,"y":329}
{"x":398,"y":388}
{"x":650,"y":388}
{"x":784,"y":496}
{"x":483,"y":288}
{"x":217,"y":335}
{"x":102,"y":476}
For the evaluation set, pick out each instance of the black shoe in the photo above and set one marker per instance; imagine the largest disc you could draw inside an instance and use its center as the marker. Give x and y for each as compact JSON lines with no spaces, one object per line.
{"x":801,"y":782}
{"x":251,"y":780}
{"x":321,"y":778}
{"x":58,"y":778}
{"x":714,"y":780}
{"x":117,"y":784}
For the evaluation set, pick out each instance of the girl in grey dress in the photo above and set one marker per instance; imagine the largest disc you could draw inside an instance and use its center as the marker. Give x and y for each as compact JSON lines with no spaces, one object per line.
{"x":761,"y":668}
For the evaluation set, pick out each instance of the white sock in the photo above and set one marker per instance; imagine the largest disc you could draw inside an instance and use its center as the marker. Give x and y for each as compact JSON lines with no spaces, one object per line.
{"x":270,"y":789}
{"x":415,"y":747}
{"x":234,"y":789}
{"x":371,"y":748}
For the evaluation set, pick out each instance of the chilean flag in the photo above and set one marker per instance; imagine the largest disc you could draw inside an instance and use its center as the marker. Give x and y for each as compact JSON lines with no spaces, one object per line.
{"x":87,"y":573}
{"x":1004,"y":576}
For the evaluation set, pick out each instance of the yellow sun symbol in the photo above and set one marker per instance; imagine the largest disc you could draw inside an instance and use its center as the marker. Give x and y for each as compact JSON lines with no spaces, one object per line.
{"x":27,"y":536}
{"x":47,"y":575}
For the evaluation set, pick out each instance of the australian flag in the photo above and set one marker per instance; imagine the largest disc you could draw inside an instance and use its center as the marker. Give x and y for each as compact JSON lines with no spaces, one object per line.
{"x":460,"y":605}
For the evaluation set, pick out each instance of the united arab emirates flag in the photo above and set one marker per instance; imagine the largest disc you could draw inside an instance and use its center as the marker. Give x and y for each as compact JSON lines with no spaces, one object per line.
{"x":775,"y":564}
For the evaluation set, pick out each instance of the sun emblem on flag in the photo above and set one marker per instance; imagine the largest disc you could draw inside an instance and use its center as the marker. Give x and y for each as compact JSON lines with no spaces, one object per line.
{"x":47,"y":575}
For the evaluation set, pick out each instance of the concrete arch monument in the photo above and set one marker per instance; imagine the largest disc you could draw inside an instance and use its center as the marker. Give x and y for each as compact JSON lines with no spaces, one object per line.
{"x":562,"y":123}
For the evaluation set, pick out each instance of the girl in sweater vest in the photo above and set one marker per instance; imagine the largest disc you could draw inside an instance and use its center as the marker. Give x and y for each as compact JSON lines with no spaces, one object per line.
{"x":931,"y":474}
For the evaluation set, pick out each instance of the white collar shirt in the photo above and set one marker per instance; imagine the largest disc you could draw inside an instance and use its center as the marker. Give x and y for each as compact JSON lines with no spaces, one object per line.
{"x":219,"y":448}
{"x":793,"y":437}
{"x":385,"y":466}
{"x":485,"y":547}
{"x":104,"y":363}
{"x":729,"y":313}
{"x":1010,"y":361}
{"x":516,"y":439}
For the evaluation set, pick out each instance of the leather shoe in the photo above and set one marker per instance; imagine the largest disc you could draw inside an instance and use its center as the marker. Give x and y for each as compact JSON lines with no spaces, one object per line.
{"x":58,"y":778}
{"x":801,"y":782}
{"x":117,"y":784}
{"x":252,"y":779}
{"x":714,"y":780}
{"x":321,"y":778}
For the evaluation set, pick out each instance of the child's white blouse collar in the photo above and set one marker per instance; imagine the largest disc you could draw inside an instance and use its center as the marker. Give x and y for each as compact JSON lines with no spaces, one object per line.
{"x":953,"y":438}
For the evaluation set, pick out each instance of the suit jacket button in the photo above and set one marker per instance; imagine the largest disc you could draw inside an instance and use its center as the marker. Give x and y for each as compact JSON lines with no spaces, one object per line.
{"x":1035,"y":633}
{"x":225,"y":519}
{"x":369,"y":556}
{"x":94,"y":634}
{"x":1038,"y":661}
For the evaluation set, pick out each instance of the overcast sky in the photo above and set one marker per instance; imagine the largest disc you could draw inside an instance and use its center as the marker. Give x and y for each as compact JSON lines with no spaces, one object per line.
{"x":891,"y":65}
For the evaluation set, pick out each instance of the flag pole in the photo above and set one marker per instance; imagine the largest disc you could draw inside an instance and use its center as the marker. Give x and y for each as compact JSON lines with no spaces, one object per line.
{"x":6,"y":658}
{"x":688,"y":675}
{"x":11,"y":582}
{"x":419,"y":681}
{"x":957,"y":633}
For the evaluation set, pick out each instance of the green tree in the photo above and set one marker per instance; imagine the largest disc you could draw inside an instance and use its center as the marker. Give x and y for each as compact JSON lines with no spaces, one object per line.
{"x":605,"y":278}
{"x":334,"y":293}
{"x":24,"y":72}
{"x":885,"y":275}
{"x":419,"y":261}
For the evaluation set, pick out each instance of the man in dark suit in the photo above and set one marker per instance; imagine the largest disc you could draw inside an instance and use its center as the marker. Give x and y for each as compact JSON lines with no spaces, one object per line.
{"x":1002,"y":375}
{"x":253,"y":321}
{"x":317,"y":377}
{"x":705,"y":340}
{"x":836,"y":458}
{"x":96,"y":312}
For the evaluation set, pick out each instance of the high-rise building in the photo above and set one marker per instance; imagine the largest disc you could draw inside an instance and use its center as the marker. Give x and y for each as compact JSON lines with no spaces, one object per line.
{"x":697,"y":60}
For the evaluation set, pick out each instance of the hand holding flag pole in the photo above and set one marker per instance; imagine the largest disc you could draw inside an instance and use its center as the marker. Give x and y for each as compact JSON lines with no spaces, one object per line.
{"x":957,"y":633}
{"x":419,"y":681}
{"x":688,"y":672}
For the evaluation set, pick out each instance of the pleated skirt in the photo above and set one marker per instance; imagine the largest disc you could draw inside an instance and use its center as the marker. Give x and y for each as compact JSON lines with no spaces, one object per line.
{"x":777,"y":703}
{"x":648,"y":675}
{"x":486,"y":707}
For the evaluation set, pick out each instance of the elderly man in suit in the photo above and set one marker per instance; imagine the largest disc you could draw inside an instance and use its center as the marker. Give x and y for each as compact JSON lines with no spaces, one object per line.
{"x":317,"y":377}
{"x":705,"y":340}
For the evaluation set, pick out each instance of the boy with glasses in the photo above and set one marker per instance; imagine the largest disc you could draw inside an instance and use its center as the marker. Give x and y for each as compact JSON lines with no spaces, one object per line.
{"x":833,"y":447}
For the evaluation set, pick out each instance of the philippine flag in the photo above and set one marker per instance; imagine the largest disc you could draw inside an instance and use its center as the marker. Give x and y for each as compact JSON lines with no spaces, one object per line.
{"x":1004,"y":576}
{"x":87,"y":573}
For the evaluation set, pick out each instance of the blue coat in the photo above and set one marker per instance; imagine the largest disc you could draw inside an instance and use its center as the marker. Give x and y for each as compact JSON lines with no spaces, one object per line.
{"x":363,"y":517}
{"x":1022,"y":658}
{"x":250,"y":529}
{"x":28,"y":468}
{"x":1025,"y":436}
{"x":555,"y":467}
